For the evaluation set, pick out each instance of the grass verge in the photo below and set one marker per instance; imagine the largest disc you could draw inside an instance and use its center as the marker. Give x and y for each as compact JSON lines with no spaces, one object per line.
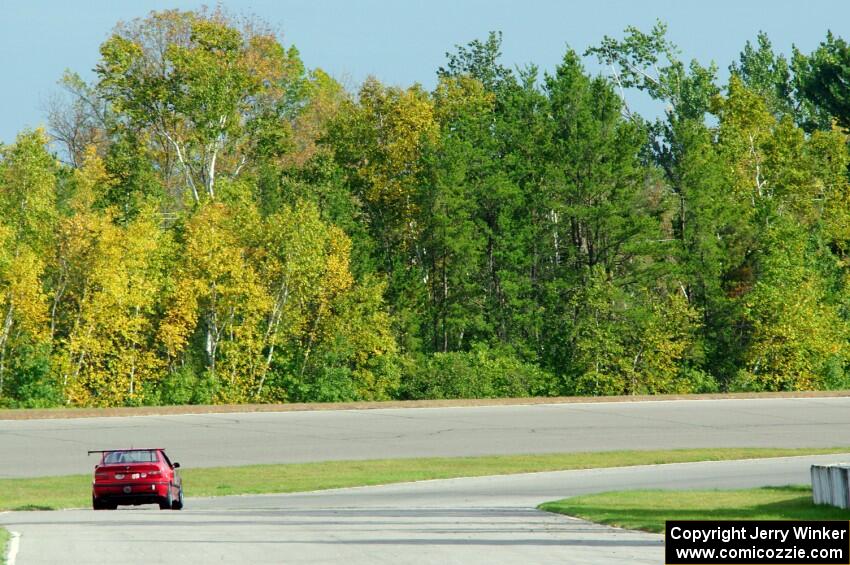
{"x":4,"y":544}
{"x":647,"y":510}
{"x":74,"y":491}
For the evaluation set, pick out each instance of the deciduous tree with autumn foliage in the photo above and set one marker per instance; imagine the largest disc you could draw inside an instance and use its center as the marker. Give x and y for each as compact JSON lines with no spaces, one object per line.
{"x":210,"y":221}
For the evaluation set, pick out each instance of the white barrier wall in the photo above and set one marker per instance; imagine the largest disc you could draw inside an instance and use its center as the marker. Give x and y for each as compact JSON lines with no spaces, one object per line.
{"x":831,"y":484}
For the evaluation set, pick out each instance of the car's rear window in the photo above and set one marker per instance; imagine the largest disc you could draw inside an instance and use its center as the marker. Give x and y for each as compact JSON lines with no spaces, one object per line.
{"x":147,"y":456}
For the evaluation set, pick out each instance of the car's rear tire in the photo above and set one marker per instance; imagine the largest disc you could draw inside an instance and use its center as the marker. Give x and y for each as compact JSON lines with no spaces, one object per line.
{"x":98,"y":504}
{"x":167,"y":502}
{"x":178,"y":504}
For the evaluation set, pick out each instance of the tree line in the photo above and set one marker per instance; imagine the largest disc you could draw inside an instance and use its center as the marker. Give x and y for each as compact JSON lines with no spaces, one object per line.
{"x":210,"y":221}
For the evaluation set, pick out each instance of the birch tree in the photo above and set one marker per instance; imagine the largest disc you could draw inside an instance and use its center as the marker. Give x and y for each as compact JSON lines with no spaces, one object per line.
{"x":197,"y":83}
{"x":105,"y":297}
{"x":27,"y":216}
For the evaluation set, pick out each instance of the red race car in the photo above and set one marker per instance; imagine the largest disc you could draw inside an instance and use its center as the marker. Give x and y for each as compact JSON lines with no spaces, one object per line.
{"x":136,"y":476}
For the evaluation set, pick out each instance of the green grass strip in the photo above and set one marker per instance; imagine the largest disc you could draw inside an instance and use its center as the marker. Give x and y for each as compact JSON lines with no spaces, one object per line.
{"x":5,"y":536}
{"x":48,"y":493}
{"x":647,"y":510}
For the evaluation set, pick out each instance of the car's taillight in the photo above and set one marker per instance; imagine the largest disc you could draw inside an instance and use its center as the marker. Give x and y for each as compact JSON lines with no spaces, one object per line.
{"x":154,"y":474}
{"x":100,"y":476}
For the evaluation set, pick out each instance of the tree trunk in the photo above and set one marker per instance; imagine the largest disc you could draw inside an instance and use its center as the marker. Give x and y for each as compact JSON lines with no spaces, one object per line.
{"x":7,"y":325}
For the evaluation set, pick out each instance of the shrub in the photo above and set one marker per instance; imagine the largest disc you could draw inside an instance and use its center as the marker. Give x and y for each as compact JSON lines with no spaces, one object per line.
{"x":29,"y":383}
{"x":481,"y":373}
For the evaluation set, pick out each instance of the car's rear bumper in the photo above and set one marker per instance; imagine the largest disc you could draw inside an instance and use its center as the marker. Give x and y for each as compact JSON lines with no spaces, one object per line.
{"x":131,"y":492}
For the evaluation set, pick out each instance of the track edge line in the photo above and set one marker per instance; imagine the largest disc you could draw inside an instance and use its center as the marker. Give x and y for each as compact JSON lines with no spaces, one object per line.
{"x":14,"y":544}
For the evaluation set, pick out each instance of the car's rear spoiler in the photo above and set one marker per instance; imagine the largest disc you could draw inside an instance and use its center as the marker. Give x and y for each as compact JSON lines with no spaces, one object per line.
{"x":131,"y":449}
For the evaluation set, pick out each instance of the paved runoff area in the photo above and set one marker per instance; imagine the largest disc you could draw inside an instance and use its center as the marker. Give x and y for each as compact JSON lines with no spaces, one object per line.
{"x":58,"y":447}
{"x":487,"y":520}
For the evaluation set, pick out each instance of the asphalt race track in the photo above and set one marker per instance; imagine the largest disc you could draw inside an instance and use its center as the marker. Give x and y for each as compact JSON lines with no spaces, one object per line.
{"x":480,"y":520}
{"x":57,"y":447}
{"x":487,"y":520}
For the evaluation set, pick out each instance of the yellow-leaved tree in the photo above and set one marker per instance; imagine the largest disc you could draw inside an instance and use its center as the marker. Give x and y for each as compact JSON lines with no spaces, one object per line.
{"x":380,"y":140}
{"x":217,"y":298}
{"x":324,"y":330}
{"x":268,"y":299}
{"x":27,"y":214}
{"x":105,"y":300}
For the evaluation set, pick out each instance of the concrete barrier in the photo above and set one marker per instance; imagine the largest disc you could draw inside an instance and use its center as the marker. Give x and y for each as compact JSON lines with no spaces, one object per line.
{"x":831,"y":484}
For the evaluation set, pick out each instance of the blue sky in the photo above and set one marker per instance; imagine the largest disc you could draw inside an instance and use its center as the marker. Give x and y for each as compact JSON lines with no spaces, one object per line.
{"x":401,"y":41}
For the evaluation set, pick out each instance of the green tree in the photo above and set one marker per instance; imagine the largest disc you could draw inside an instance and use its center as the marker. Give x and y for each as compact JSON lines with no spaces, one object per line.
{"x":767,"y":74}
{"x":479,"y":60}
{"x":650,"y":62}
{"x":798,"y":338}
{"x":201,"y":92}
{"x":820,"y":81}
{"x":453,"y":239}
{"x":600,"y":238}
{"x":624,"y":346}
{"x":379,"y":140}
